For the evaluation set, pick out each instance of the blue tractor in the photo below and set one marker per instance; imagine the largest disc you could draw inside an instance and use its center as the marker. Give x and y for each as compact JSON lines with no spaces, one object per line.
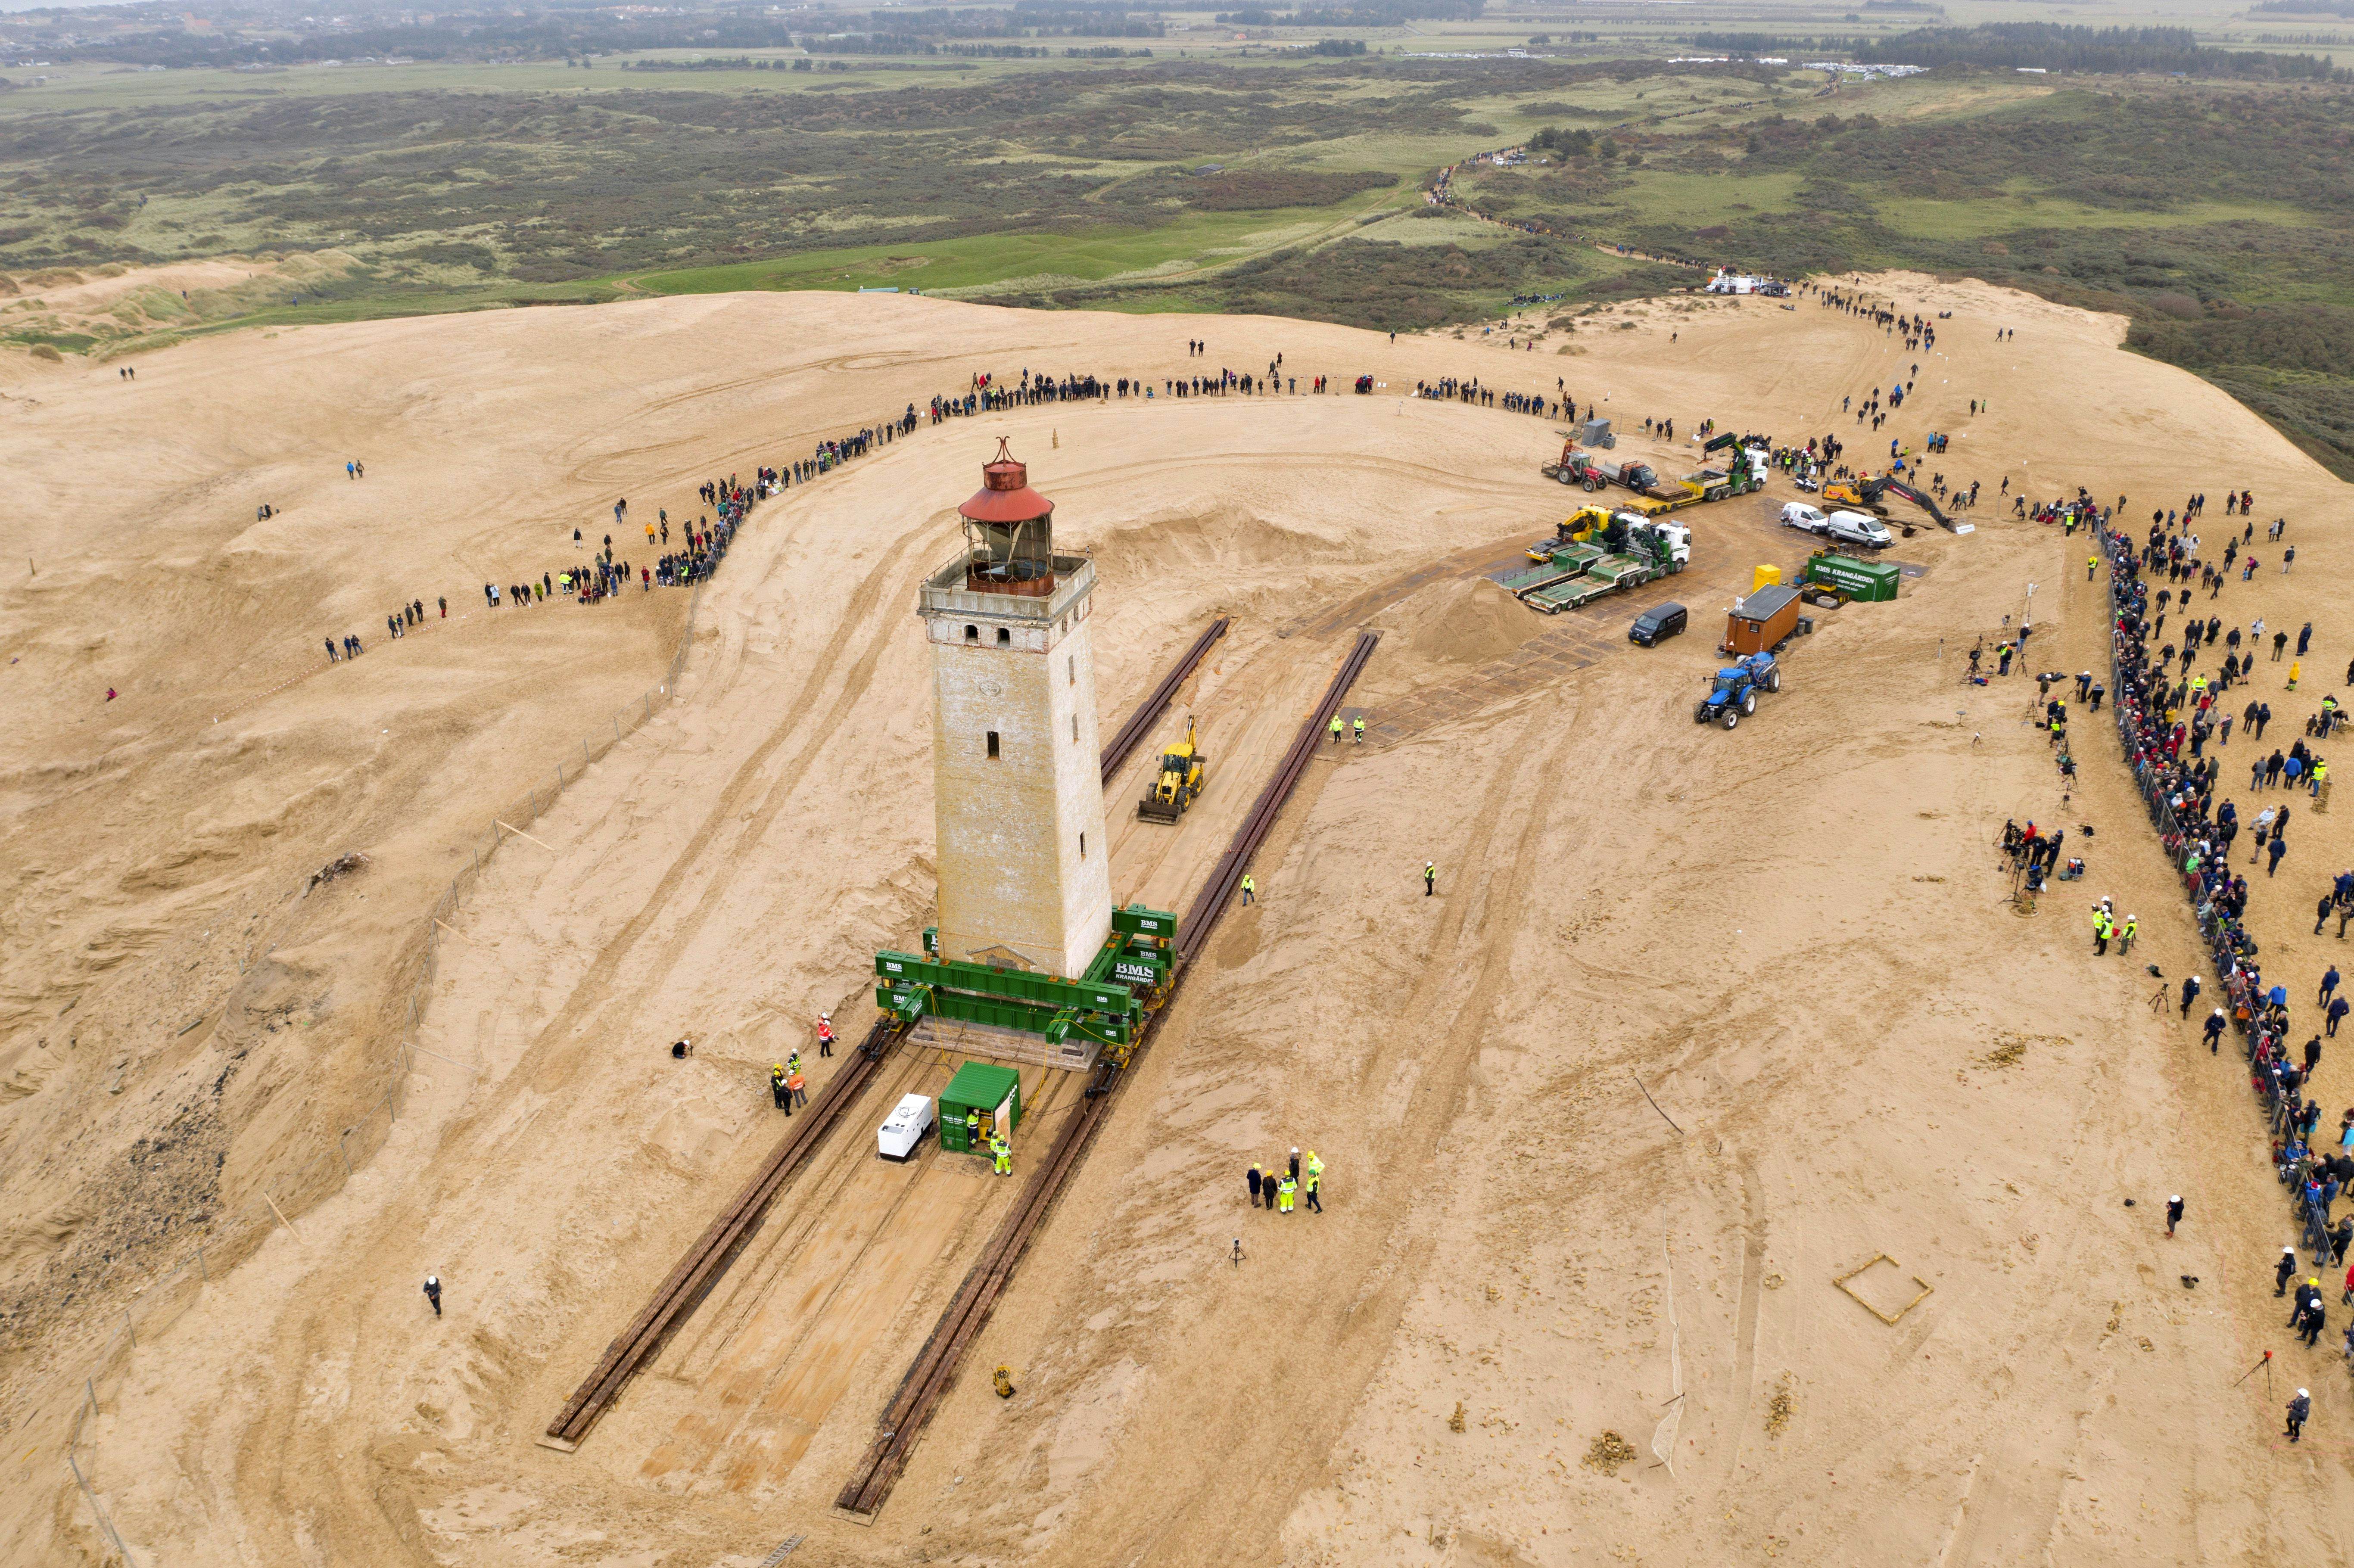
{"x":1732,"y":694}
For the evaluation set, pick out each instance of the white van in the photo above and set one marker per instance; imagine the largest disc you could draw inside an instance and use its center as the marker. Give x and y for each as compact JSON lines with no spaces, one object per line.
{"x":1858,"y":528}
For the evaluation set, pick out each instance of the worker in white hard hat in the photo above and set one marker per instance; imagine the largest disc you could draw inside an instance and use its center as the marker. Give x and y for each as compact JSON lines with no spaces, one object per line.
{"x":825,"y":1033}
{"x":1295,"y":1164}
{"x":433,"y":1292}
{"x":2283,"y":1269}
{"x":2299,"y":1410}
{"x":2173,"y":1212}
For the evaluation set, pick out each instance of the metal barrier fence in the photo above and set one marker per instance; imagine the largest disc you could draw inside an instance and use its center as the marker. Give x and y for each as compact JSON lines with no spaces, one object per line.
{"x":229,"y":1238}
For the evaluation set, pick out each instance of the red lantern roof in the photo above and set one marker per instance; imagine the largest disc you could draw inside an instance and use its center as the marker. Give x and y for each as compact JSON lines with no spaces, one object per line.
{"x":1005,"y":495}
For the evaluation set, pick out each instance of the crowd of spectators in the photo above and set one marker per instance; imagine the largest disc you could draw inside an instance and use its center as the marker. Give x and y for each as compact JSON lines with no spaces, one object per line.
{"x":2173,"y":722}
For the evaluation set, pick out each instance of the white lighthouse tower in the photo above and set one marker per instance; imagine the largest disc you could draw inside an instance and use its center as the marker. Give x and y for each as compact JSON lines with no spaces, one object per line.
{"x":1024,"y":863}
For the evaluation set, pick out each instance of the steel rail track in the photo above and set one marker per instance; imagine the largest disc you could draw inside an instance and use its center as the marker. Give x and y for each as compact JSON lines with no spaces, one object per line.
{"x":691,"y":1280}
{"x":1139,"y":722}
{"x":683,"y":1289}
{"x":934,"y":1370}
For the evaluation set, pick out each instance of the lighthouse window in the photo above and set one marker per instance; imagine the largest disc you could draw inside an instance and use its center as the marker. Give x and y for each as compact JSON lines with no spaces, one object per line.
{"x":1083,"y":846}
{"x":1073,"y":668}
{"x":1003,"y":637}
{"x":992,"y":743}
{"x":972,"y":634}
{"x":1075,"y":726}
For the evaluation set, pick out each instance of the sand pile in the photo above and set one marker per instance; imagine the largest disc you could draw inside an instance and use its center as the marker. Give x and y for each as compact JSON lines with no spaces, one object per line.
{"x":1464,"y":621}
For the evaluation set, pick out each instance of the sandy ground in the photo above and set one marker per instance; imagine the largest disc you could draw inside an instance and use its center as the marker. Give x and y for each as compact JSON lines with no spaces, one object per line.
{"x":1796,"y":936}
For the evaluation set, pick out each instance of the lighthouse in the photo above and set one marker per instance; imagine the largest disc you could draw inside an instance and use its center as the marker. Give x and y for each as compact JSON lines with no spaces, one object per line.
{"x":1023,"y":858}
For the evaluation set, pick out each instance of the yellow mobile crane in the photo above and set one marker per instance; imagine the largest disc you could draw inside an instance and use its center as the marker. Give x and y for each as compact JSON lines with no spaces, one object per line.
{"x":1574,"y":529}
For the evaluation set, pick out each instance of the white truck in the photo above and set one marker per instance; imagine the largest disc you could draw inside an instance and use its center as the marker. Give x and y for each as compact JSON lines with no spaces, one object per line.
{"x":1806,"y":519}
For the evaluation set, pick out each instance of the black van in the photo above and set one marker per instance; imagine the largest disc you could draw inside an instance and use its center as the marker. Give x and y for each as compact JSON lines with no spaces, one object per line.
{"x":1657,"y":624}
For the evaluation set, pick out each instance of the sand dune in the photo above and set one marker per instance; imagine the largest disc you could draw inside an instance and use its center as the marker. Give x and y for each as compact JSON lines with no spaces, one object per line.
{"x":1793,"y":934}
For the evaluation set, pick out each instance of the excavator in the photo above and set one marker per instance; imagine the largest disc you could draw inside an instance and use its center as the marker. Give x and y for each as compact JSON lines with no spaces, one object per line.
{"x":1867,"y":490}
{"x":1178,"y":784}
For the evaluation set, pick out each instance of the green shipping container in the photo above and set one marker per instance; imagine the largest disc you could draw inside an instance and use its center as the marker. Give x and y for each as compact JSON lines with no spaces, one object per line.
{"x":1872,"y":582}
{"x":981,"y":1086}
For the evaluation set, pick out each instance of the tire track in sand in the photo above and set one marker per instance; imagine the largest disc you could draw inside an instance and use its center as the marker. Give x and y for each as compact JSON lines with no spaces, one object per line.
{"x":1444,"y":1022}
{"x":277,"y":1427}
{"x":596,"y":983}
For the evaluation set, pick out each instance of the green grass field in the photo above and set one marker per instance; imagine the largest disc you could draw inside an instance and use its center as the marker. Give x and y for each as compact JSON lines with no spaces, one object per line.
{"x":1194,"y":242}
{"x":2196,"y":208}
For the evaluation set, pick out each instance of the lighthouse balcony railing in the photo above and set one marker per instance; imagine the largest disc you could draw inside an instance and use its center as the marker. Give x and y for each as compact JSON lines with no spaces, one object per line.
{"x":956,"y":589}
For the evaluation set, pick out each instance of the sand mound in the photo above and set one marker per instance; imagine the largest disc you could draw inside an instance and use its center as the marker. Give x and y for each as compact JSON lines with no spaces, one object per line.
{"x":1461,"y":622}
{"x":1217,"y":533}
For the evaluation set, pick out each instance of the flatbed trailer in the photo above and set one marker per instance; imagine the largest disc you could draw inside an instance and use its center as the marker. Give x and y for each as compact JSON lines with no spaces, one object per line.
{"x":1530,"y":579}
{"x":1562,"y":561}
{"x":1613,"y":574}
{"x":1706,"y":485}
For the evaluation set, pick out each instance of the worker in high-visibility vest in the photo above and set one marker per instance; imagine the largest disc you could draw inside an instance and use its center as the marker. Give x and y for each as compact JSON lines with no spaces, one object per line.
{"x":797,"y":1086}
{"x":1430,"y":877}
{"x":1336,"y":729}
{"x":825,"y":1034}
{"x":973,"y":1130}
{"x":1001,"y":1152}
{"x":777,"y":1088}
{"x":1312,"y":1178}
{"x":793,"y":1062}
{"x":1360,"y":728}
{"x":2125,"y":934}
{"x":1249,"y":889}
{"x":1283,"y":1194}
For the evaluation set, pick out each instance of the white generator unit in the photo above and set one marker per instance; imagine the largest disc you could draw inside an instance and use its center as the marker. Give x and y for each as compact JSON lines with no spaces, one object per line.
{"x":903,"y":1133}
